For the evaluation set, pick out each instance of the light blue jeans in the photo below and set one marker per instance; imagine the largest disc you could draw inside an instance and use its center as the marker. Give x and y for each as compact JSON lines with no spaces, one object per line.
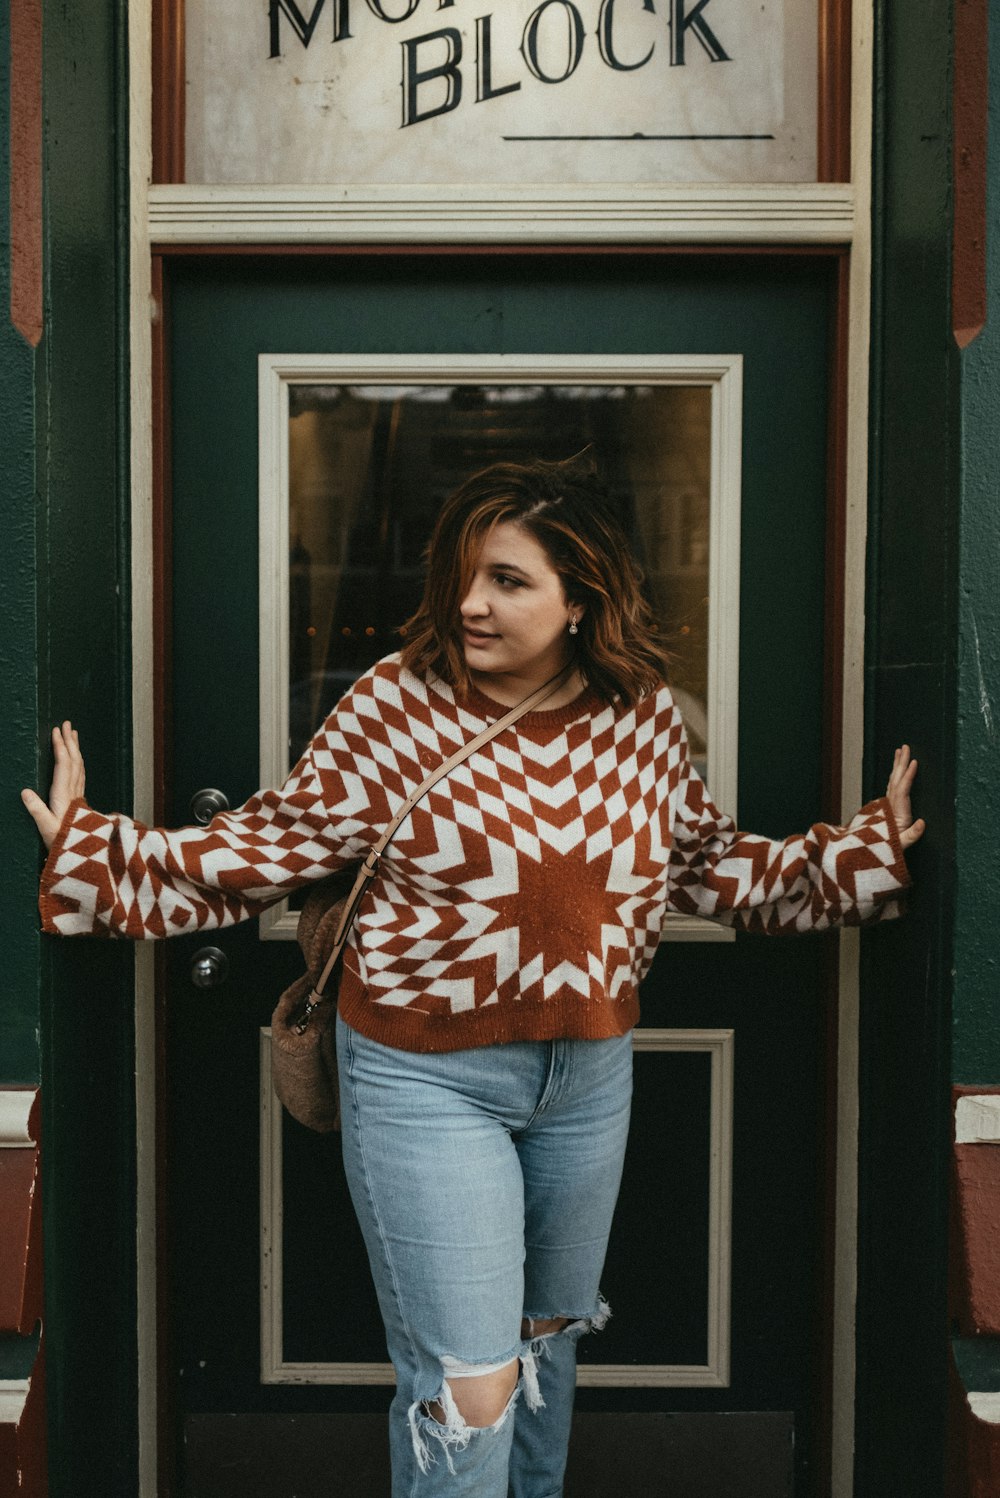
{"x":484,"y":1181}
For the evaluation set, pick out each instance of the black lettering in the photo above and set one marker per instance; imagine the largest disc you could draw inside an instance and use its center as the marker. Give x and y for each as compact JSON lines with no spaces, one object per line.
{"x":413,"y":76}
{"x":375,"y":6}
{"x":443,"y":4}
{"x":679,"y":24}
{"x":302,"y":26}
{"x":484,"y":63}
{"x":575,"y":37}
{"x":605,"y":38}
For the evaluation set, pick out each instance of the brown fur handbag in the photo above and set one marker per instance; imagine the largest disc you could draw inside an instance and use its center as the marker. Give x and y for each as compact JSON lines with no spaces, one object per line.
{"x":304,"y":1056}
{"x":303,"y":1045}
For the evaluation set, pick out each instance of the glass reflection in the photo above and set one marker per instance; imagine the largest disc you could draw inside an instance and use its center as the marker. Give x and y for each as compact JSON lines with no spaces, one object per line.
{"x":369,"y":466}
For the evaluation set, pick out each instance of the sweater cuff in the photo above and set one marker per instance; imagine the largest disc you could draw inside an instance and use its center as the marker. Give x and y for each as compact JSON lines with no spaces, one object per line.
{"x":894,"y":904}
{"x":52,"y":905}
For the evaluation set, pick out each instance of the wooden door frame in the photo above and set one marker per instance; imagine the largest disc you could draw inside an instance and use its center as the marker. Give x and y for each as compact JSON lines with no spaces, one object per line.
{"x":848,"y":54}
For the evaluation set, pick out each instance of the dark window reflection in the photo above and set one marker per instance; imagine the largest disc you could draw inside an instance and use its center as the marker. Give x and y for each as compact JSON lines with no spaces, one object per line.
{"x":370,"y":465}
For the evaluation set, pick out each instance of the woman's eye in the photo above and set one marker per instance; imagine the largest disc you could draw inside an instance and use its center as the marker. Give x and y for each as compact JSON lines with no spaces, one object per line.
{"x":506,"y":581}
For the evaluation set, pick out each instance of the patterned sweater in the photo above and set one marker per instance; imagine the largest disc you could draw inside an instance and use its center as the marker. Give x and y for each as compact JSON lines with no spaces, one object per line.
{"x":524,"y":897}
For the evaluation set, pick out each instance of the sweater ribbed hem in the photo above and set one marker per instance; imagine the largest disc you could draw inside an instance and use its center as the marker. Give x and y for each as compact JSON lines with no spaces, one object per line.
{"x":566,"y":1016}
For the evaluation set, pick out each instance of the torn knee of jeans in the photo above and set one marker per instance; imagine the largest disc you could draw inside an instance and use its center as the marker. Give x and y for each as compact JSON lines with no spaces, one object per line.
{"x":539,"y":1344}
{"x":453,"y":1432}
{"x":458,"y":1368}
{"x":569,"y":1326}
{"x":543,"y":1326}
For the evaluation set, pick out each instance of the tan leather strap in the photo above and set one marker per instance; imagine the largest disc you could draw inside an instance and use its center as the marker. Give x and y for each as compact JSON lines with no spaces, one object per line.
{"x":369,"y":868}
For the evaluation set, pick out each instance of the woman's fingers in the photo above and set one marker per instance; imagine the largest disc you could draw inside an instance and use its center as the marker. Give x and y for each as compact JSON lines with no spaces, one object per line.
{"x":904,"y":770}
{"x":69,"y":776}
{"x":913,"y":833}
{"x":66,"y":746}
{"x":68,"y":782}
{"x":46,"y":822}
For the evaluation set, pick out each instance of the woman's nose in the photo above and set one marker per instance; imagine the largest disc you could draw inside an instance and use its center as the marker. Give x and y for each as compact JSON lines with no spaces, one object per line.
{"x":474,"y":603}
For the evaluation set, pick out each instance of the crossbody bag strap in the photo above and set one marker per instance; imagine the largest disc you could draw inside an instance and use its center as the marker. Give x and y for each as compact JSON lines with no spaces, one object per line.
{"x":369,"y":868}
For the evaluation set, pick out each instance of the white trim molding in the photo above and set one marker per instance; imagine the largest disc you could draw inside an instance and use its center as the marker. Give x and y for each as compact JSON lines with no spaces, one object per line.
{"x":597,"y":213}
{"x":986,"y":1407}
{"x":13,"y":1397}
{"x":846,"y":1223}
{"x":722,"y":373}
{"x":15,"y":1115}
{"x":977,"y":1118}
{"x":712,"y":1374}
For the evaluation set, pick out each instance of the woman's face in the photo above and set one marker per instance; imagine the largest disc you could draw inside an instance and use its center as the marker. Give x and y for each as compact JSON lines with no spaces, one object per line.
{"x":515,"y":615}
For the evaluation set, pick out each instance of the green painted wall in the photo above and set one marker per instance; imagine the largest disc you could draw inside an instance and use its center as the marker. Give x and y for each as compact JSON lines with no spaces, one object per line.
{"x":65,"y":1014}
{"x":976,"y":1017}
{"x":19,"y":1052}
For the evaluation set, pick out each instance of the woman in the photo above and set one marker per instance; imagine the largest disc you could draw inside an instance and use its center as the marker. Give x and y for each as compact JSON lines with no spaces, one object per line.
{"x":490,"y":985}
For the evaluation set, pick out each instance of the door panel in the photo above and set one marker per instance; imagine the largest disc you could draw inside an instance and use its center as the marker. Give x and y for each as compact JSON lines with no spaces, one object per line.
{"x":771,"y":994}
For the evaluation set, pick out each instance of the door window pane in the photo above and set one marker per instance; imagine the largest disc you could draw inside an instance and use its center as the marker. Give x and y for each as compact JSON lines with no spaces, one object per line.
{"x":369,"y":467}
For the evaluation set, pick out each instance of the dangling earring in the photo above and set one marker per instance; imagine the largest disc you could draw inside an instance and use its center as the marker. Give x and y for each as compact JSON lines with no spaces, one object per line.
{"x":572,"y":627}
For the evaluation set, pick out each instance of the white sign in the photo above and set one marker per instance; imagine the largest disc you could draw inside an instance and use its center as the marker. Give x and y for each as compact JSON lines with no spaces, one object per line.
{"x":532,"y":91}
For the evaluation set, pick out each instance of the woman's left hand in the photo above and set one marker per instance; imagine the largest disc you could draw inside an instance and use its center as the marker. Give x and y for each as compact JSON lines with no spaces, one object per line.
{"x":898,"y":791}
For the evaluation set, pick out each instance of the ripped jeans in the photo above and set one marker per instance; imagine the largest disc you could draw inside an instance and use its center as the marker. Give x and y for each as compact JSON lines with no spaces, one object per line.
{"x":484,"y":1181}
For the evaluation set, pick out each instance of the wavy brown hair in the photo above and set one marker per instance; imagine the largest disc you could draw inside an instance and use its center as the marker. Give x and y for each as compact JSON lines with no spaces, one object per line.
{"x":564,"y":507}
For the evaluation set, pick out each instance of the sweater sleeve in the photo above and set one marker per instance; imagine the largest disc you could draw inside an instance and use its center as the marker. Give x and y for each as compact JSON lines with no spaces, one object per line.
{"x":108,"y":875}
{"x":827,"y":876}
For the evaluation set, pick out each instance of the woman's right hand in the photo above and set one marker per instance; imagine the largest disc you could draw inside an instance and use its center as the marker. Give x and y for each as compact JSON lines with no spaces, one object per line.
{"x":68,"y":781}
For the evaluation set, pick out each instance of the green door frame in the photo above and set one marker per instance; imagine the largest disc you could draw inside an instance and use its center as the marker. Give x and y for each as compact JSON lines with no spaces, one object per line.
{"x":912,"y":606}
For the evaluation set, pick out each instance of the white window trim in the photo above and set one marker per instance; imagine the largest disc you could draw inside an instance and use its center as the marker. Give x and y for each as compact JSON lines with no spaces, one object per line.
{"x":591,"y":213}
{"x":721,"y":373}
{"x":714,"y":1373}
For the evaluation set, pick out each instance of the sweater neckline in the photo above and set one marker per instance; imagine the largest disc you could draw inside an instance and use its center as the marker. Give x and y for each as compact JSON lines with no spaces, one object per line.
{"x":583,"y":703}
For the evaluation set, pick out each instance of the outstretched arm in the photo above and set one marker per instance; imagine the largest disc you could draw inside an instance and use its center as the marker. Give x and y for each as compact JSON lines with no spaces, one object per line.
{"x":826,"y":876}
{"x":109,"y":875}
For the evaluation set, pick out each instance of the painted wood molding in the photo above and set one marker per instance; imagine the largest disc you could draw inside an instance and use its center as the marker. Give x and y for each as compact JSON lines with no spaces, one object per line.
{"x":16,"y":1124}
{"x":13,"y":1393}
{"x":721,"y":373}
{"x":985,"y":1407}
{"x":714,"y":1373}
{"x":758,"y":213}
{"x":22,"y":1434}
{"x":977,"y":1118}
{"x":27,"y":311}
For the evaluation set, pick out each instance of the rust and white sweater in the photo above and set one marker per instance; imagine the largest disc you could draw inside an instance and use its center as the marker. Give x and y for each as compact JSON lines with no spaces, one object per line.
{"x":524,"y":897}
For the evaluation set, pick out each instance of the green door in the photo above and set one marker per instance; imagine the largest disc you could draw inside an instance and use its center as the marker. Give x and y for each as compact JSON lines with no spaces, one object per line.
{"x":718,"y":1320}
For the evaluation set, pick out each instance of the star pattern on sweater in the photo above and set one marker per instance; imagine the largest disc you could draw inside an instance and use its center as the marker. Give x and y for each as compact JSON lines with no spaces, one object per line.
{"x":537,"y":875}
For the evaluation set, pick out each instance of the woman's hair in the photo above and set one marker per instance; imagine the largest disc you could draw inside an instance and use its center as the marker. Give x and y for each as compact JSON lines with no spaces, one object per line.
{"x":564,"y":507}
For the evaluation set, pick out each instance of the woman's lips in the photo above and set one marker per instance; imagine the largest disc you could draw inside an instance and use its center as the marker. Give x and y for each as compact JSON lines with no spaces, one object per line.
{"x":478,"y":636}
